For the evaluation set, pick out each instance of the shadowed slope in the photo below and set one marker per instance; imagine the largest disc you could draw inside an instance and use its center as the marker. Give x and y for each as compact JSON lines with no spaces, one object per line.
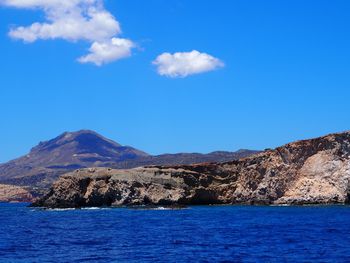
{"x":315,"y":171}
{"x":83,"y":149}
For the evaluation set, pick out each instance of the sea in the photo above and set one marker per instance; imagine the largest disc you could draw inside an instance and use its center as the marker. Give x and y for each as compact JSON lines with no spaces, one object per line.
{"x":193,"y":234}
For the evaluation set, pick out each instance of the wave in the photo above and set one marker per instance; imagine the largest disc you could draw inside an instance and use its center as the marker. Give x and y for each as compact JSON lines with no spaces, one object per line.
{"x":166,"y":208}
{"x":69,"y":209}
{"x":59,"y":209}
{"x":95,"y":208}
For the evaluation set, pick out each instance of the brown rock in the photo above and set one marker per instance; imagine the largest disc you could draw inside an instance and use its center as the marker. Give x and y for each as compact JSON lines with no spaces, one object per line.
{"x":11,"y":193}
{"x":47,"y":161}
{"x":313,"y":171}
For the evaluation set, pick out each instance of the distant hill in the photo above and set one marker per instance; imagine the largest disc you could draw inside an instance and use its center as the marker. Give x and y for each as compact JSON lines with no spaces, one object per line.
{"x":83,"y":149}
{"x":184,"y":158}
{"x":307,"y":172}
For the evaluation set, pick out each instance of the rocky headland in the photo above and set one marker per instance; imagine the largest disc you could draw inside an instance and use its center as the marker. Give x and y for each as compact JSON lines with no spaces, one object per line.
{"x":47,"y":161}
{"x":315,"y":171}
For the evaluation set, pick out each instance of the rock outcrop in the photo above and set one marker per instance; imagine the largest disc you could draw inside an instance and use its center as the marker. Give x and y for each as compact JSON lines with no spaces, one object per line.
{"x":11,"y":193}
{"x":84,"y":149}
{"x":315,"y":171}
{"x":67,"y":152}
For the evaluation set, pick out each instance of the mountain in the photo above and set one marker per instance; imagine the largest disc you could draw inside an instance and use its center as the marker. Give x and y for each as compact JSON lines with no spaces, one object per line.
{"x":183,"y":158}
{"x":69,"y":151}
{"x":315,"y":171}
{"x":83,"y":149}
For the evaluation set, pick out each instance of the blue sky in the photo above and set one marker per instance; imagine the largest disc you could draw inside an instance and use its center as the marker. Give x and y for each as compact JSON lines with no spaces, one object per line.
{"x":286,"y":77}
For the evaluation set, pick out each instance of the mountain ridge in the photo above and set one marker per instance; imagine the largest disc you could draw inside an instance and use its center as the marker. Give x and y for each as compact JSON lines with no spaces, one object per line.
{"x":49,"y":159}
{"x":314,"y":171}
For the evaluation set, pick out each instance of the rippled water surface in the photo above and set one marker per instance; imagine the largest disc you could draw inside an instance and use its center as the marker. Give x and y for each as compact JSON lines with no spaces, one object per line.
{"x":197,"y":234}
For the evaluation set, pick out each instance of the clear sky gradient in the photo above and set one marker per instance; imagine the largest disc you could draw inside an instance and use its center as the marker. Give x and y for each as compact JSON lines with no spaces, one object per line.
{"x":286,"y":77}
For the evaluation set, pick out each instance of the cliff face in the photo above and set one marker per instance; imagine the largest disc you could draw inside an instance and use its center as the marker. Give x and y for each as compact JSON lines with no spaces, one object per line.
{"x":11,"y":193}
{"x":313,"y":171}
{"x":84,"y":149}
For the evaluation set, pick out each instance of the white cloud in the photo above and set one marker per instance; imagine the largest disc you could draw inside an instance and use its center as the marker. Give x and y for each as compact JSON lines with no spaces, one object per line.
{"x":183,"y":64}
{"x":74,"y":20}
{"x":105,"y":52}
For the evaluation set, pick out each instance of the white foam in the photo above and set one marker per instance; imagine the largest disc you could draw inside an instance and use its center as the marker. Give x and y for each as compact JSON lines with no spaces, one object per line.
{"x":95,"y":208}
{"x":60,"y":209}
{"x":162,"y":208}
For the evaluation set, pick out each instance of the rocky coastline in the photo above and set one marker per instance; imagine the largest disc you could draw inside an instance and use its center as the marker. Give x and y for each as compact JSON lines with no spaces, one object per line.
{"x":315,"y":171}
{"x":12,"y":193}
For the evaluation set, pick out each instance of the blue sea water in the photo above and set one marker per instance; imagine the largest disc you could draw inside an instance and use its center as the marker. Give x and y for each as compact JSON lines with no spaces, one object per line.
{"x":196,"y":234}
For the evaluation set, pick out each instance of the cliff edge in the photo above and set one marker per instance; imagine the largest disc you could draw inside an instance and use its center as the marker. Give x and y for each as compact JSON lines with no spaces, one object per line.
{"x":315,"y":171}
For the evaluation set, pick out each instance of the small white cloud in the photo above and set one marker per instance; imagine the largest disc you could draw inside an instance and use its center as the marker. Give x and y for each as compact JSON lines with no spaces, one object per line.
{"x":183,"y":64}
{"x":105,"y":52}
{"x":74,"y":20}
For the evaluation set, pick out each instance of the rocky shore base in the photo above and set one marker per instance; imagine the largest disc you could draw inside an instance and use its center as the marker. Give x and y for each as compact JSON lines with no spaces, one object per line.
{"x":11,"y":193}
{"x":313,"y":171}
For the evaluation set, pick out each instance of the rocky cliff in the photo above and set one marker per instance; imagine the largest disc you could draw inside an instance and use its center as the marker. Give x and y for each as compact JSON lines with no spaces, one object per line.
{"x":11,"y":193}
{"x":84,"y":149}
{"x":315,"y":171}
{"x":67,"y":152}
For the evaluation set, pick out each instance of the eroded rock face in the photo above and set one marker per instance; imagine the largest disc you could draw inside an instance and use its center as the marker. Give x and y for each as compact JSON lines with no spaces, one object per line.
{"x":313,"y":171}
{"x":43,"y":165}
{"x":11,"y":193}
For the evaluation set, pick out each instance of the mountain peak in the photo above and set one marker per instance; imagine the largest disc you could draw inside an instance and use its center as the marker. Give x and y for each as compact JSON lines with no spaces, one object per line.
{"x":80,"y":139}
{"x":84,"y":147}
{"x":80,"y":132}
